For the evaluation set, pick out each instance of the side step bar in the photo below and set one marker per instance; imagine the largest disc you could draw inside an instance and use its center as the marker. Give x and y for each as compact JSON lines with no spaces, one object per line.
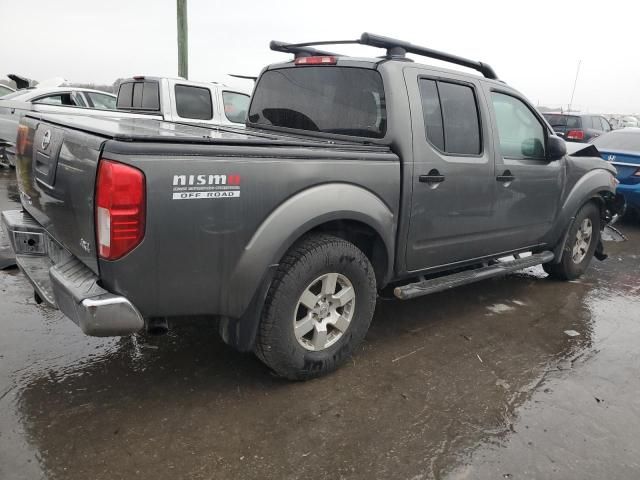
{"x":440,"y":284}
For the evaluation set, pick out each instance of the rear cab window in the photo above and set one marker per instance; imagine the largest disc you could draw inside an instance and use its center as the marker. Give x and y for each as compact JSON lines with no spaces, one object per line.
{"x":139,"y":95}
{"x":325,"y":99}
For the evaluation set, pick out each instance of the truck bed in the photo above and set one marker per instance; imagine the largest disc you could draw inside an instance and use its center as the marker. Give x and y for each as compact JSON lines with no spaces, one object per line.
{"x":217,"y":201}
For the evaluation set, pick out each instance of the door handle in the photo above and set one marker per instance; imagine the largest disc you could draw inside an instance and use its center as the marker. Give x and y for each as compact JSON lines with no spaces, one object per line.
{"x":506,"y":177}
{"x":432,"y":177}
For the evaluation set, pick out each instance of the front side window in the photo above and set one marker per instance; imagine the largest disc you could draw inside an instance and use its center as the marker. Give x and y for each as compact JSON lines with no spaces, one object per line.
{"x":325,"y":99}
{"x":194,"y":102}
{"x":235,"y":106}
{"x":101,"y":101}
{"x":521,"y":133}
{"x":451,"y":118}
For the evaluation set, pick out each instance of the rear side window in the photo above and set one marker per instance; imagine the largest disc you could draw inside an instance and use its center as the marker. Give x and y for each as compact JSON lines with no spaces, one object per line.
{"x":327,"y":99}
{"x":194,"y":102}
{"x":235,"y":106}
{"x":451,"y":117}
{"x":139,"y":96}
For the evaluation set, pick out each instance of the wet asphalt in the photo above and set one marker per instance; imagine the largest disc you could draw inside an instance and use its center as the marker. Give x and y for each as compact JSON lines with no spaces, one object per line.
{"x":514,"y":378}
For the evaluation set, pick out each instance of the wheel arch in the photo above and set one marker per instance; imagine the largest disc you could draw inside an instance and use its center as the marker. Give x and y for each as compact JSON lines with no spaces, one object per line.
{"x":344,"y":210}
{"x":596,"y":186}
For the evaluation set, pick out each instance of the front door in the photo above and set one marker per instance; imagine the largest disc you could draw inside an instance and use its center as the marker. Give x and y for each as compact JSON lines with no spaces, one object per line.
{"x":454,"y":180}
{"x":528,"y":186}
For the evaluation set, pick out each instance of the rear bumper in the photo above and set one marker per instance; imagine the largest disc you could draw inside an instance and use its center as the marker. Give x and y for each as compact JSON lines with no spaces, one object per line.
{"x":63,"y":282}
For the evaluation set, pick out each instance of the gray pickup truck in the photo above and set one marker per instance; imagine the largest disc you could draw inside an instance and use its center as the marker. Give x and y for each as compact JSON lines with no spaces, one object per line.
{"x":353,"y":175}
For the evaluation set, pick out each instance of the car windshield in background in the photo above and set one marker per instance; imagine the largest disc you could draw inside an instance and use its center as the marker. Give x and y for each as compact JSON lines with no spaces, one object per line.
{"x":340,"y":100}
{"x":235,"y":106}
{"x":17,"y":94}
{"x":623,"y":140}
{"x":5,"y":90}
{"x":102,"y":101}
{"x":569,"y":121}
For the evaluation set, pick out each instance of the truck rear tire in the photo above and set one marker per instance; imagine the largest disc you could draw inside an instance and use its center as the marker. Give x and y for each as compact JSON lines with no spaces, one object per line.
{"x":318,"y":308}
{"x":582,"y":240}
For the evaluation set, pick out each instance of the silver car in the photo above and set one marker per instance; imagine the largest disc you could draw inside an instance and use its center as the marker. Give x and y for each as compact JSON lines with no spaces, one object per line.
{"x":45,"y":99}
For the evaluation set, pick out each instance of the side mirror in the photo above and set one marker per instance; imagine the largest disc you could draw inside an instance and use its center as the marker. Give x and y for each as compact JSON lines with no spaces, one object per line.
{"x":556,"y":148}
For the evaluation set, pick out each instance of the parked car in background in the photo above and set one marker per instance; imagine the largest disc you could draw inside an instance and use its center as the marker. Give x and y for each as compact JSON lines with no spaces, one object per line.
{"x":578,"y":127}
{"x":5,"y":90}
{"x":184,"y":101}
{"x":629,"y":121}
{"x":622,"y":149}
{"x":48,"y":99}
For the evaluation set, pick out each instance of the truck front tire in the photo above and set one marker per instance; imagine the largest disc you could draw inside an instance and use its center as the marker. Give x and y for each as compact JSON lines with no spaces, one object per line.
{"x":582,"y":241}
{"x":318,"y":308}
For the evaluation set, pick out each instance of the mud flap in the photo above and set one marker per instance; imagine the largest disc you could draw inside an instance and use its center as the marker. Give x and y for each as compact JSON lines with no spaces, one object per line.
{"x":599,"y":253}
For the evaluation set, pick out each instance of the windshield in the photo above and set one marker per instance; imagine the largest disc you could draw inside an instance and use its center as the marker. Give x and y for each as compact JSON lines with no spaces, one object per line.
{"x":626,"y":141}
{"x":17,"y":94}
{"x":556,"y":120}
{"x":341,"y":100}
{"x":5,"y":90}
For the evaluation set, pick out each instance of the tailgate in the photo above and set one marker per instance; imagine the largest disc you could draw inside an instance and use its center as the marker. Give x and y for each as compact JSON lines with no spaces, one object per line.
{"x":56,"y":170}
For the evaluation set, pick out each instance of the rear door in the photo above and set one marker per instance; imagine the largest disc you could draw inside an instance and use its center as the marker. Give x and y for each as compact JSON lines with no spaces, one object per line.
{"x":453,"y":183}
{"x":528,"y":186}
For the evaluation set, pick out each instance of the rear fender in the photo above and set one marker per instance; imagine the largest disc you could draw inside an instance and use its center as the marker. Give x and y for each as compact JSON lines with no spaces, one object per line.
{"x":291,"y":220}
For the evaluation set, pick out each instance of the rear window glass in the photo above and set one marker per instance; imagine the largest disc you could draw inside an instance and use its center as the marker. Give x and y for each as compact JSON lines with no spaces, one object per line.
{"x":451,"y":117}
{"x":139,"y":96}
{"x":235,"y":106}
{"x":340,"y":100}
{"x":619,"y":140}
{"x":570,"y":121}
{"x":194,"y":102}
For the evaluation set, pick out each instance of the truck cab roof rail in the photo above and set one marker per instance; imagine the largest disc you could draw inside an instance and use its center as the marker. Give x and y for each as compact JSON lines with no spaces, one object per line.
{"x":395,"y":49}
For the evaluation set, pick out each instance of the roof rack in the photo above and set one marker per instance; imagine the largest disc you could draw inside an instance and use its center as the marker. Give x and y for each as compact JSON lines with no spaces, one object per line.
{"x":395,"y":49}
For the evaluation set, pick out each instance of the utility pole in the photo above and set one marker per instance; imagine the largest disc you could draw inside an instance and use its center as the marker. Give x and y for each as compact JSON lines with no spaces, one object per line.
{"x":183,"y":40}
{"x":575,"y":82}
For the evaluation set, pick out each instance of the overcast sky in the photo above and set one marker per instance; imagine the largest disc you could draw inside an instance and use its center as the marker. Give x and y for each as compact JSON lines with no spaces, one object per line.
{"x":533,"y":45}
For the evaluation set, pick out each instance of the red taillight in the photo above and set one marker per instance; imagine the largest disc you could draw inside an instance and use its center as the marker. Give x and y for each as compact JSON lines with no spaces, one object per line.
{"x":22,"y":140}
{"x":120,"y":209}
{"x":323,"y":60}
{"x":575,"y":135}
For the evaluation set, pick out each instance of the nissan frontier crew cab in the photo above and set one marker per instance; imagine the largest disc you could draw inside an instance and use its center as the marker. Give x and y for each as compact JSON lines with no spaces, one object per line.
{"x":353,"y":175}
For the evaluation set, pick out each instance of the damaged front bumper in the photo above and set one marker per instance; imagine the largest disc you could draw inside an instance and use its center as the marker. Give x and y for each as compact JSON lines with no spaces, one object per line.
{"x":62,"y":281}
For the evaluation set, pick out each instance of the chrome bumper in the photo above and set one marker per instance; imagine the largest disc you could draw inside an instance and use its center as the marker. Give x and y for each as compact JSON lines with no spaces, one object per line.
{"x":63,"y":282}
